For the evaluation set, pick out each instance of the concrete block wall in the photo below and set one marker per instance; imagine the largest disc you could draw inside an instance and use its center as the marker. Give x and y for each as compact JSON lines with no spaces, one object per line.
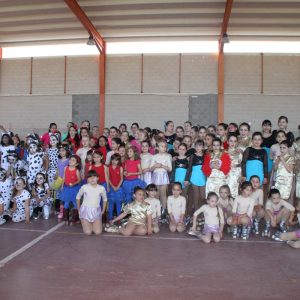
{"x":25,"y":114}
{"x":154,"y":99}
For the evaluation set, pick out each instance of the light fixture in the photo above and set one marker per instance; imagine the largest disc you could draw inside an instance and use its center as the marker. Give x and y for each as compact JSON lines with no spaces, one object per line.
{"x":225,"y":38}
{"x":91,"y":41}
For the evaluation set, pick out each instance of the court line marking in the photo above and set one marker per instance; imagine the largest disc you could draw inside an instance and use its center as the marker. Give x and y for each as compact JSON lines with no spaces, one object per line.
{"x":8,"y":258}
{"x":22,"y":229}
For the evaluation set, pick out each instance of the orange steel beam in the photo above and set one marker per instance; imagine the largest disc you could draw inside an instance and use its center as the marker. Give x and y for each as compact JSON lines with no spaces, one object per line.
{"x":101,"y":45}
{"x":225,"y":23}
{"x":102,"y":59}
{"x":86,"y":22}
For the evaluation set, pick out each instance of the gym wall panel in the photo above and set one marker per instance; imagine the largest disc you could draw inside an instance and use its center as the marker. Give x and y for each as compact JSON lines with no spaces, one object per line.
{"x":199,"y":73}
{"x":25,"y":114}
{"x":256,"y":108}
{"x":147,"y":110}
{"x":15,"y":76}
{"x":281,"y":74}
{"x":123,"y":74}
{"x":161,"y":73}
{"x":82,"y":75}
{"x":48,"y":76}
{"x":242,"y":74}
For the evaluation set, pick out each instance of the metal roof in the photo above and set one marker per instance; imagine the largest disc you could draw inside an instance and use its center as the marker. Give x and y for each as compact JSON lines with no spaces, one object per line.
{"x":32,"y":21}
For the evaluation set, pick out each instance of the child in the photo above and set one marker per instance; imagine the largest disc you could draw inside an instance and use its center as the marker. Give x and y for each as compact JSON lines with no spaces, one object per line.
{"x":146,"y":158}
{"x":268,"y":140}
{"x":132,"y":170}
{"x":208,"y":141}
{"x":189,"y":143}
{"x":187,"y":127}
{"x":99,"y":167}
{"x":6,"y":187}
{"x":103,"y":146}
{"x":196,"y":176}
{"x":88,"y":163}
{"x":52,"y":155}
{"x":140,"y":221}
{"x":41,"y":201}
{"x":275,"y":148}
{"x":194,"y":134}
{"x":151,"y":191}
{"x":278,"y":211}
{"x":22,"y":210}
{"x":292,"y":238}
{"x":180,"y":167}
{"x":90,"y":213}
{"x":222,"y":130}
{"x":122,"y":152}
{"x":244,"y":139}
{"x":225,"y":201}
{"x":70,"y":188}
{"x":6,"y":145}
{"x":115,"y":144}
{"x":115,"y":193}
{"x":284,"y":176}
{"x":82,"y":152}
{"x":63,"y":161}
{"x":36,"y":161}
{"x":255,"y":161}
{"x":258,"y":197}
{"x":216,"y":166}
{"x":214,"y":219}
{"x":169,"y":134}
{"x":176,"y":208}
{"x":161,"y":164}
{"x":174,"y":150}
{"x":242,"y":211}
{"x":235,"y":175}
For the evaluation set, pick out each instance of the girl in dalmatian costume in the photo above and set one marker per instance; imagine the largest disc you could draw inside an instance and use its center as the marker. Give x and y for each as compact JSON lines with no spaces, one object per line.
{"x":17,"y":168}
{"x":35,"y":161}
{"x":6,"y":145}
{"x":6,"y":187}
{"x":52,"y":155}
{"x":42,"y":202}
{"x":22,"y":210}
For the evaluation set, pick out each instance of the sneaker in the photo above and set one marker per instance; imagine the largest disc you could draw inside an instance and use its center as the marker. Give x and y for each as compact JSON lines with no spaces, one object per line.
{"x":187,"y":220}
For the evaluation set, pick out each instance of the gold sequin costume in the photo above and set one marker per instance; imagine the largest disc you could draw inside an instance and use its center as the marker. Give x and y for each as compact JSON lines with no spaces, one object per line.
{"x":283,"y":178}
{"x":297,"y":171}
{"x":139,"y":212}
{"x":234,"y":176}
{"x":217,"y":178}
{"x":244,"y":143}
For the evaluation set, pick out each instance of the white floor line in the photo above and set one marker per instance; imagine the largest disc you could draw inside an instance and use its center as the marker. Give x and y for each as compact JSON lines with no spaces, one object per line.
{"x":22,"y":229}
{"x":29,"y":245}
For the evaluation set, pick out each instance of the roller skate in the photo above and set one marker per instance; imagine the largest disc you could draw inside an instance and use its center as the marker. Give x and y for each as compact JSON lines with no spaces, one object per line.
{"x":282,"y":229}
{"x":267,"y":232}
{"x":111,"y":228}
{"x":239,"y":231}
{"x":75,"y":217}
{"x":256,"y":226}
{"x":196,"y":233}
{"x":36,"y":213}
{"x":245,"y":230}
{"x":234,"y":232}
{"x":66,"y":215}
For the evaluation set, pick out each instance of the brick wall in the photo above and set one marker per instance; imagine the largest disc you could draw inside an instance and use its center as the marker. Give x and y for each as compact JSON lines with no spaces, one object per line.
{"x":162,"y":82}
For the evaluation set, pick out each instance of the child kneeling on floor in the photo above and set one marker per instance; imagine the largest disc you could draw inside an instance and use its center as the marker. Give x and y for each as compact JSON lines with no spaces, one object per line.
{"x":140,"y":221}
{"x":176,"y":208}
{"x":90,"y":213}
{"x":214,"y":219}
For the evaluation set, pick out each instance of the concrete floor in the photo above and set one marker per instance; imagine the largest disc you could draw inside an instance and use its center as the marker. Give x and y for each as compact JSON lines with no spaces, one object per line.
{"x":68,"y":265}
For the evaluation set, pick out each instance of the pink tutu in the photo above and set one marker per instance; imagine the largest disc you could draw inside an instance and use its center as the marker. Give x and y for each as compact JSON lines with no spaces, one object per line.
{"x":298,"y":234}
{"x":211,"y":229}
{"x":91,"y":214}
{"x":160,"y":178}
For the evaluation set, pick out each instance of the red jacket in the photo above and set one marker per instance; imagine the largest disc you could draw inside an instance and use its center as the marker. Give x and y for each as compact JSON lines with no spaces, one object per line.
{"x":225,"y":167}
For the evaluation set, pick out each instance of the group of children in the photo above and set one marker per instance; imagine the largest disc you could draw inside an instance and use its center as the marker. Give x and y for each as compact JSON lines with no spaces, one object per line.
{"x":213,"y":177}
